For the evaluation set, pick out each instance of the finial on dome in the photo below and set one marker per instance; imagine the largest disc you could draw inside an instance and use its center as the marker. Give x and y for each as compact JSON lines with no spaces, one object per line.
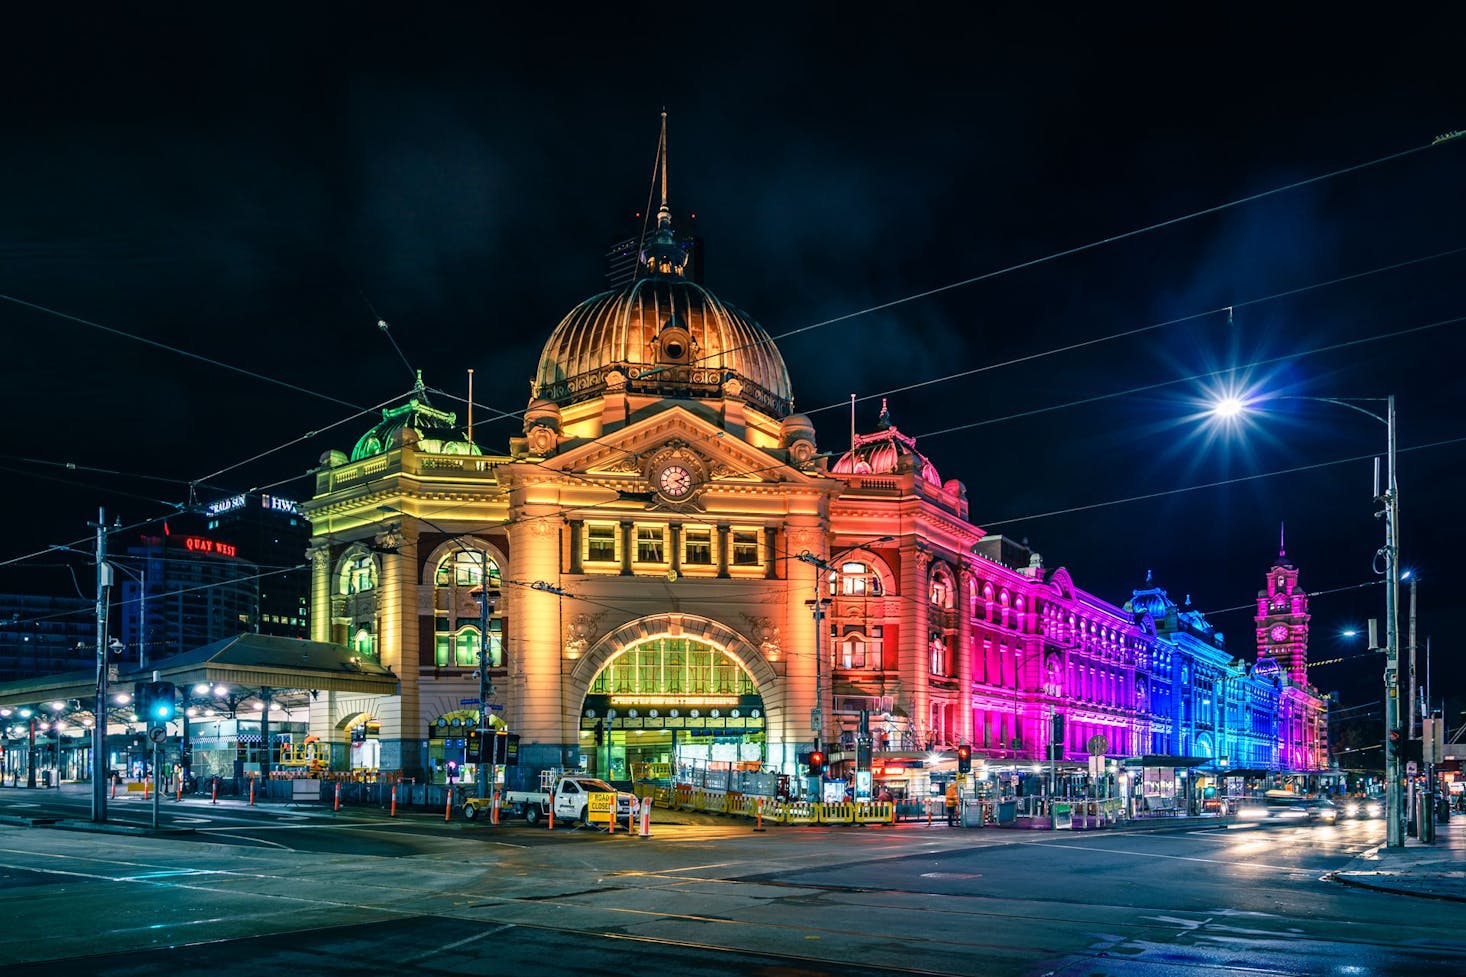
{"x":884,"y":421}
{"x":664,"y":256}
{"x":664,"y":215}
{"x":419,"y":387}
{"x":1147,"y":574}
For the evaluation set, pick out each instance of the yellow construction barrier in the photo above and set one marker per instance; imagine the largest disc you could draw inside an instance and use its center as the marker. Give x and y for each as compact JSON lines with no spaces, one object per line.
{"x":794,"y":812}
{"x":874,"y":812}
{"x":836,"y":813}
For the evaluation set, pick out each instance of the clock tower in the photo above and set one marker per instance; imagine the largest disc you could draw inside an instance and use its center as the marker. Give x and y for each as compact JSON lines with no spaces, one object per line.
{"x":1282,"y":619}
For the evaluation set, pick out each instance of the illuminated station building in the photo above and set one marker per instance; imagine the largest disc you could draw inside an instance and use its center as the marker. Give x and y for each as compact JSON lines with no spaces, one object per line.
{"x":681,"y":579}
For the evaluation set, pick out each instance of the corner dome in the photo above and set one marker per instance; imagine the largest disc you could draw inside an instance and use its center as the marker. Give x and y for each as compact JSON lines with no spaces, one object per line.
{"x":887,"y":451}
{"x":416,"y":422}
{"x":662,"y":334}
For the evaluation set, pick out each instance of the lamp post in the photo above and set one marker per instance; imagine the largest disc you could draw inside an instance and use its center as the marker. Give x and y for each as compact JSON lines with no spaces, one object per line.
{"x":141,"y":576}
{"x":1389,"y":497}
{"x":487,"y":600}
{"x":818,"y":604}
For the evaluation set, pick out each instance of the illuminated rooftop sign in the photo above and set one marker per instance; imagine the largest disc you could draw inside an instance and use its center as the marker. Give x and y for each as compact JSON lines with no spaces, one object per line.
{"x":226,"y":505}
{"x":201,"y":544}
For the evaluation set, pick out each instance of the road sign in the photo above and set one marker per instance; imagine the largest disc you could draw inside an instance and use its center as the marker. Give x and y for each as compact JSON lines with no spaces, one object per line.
{"x":1097,"y":745}
{"x":468,"y":702}
{"x":158,"y":733}
{"x":814,"y":720}
{"x":1410,"y":768}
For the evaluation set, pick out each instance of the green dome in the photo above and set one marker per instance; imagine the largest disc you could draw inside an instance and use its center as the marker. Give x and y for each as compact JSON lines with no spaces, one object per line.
{"x":432,"y":430}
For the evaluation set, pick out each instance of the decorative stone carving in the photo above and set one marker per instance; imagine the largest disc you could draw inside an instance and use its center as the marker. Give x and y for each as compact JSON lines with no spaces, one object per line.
{"x":542,"y":440}
{"x":765,"y":634}
{"x":580,"y":633}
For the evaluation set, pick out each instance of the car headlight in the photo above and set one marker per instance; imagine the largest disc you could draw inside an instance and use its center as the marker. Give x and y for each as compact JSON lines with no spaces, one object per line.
{"x":1352,"y":810}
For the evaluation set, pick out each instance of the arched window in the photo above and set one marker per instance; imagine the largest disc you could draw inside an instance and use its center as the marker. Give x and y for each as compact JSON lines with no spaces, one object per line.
{"x":856,"y":579}
{"x":852,"y":651}
{"x":941,"y":591}
{"x":358,"y":574}
{"x":364,"y":643}
{"x":464,"y":569}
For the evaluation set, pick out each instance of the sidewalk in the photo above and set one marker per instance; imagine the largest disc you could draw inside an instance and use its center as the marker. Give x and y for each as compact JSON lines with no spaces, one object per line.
{"x":1435,"y":871}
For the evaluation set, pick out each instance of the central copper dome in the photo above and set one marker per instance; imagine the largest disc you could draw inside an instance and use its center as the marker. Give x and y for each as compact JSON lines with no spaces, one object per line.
{"x":666,"y":335}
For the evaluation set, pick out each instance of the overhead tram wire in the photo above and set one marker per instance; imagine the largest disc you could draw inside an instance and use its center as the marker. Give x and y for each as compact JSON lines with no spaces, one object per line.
{"x":1198,"y":376}
{"x":1218,"y":484}
{"x":1068,"y":252}
{"x":156,"y":344}
{"x":1140,"y":330}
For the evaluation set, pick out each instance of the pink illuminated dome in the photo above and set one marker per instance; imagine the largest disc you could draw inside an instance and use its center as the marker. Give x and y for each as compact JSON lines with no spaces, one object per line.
{"x":886,"y":452}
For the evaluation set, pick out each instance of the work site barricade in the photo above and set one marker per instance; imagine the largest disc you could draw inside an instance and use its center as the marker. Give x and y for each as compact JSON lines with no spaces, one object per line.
{"x":836,"y":813}
{"x":744,"y":805}
{"x":793,"y":812}
{"x":874,"y":812}
{"x":682,"y":796}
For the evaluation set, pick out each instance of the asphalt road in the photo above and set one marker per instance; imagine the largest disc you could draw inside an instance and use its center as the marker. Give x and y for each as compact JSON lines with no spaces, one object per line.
{"x":254,"y":891}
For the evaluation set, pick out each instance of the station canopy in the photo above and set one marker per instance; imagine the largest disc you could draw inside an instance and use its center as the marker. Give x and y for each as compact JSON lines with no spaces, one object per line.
{"x":247,"y":660}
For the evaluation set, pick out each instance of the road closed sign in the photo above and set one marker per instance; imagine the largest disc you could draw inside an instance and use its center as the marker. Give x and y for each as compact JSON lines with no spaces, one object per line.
{"x":599,"y":805}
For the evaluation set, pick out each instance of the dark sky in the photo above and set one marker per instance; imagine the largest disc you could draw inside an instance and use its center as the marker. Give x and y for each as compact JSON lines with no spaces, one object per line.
{"x":258,"y":188}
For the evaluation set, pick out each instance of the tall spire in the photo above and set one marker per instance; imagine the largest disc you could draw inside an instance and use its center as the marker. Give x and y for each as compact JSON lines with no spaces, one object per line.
{"x":664,"y":255}
{"x":664,"y":215}
{"x":1282,"y":551}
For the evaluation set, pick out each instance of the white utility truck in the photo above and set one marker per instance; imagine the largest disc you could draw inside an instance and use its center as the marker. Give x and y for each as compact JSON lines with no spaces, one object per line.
{"x":576,"y":798}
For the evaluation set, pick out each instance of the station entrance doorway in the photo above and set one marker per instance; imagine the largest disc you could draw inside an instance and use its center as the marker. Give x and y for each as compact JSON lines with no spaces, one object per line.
{"x":672,"y":708}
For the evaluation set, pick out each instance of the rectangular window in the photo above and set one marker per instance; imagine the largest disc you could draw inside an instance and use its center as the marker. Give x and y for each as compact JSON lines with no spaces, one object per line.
{"x":600,"y":543}
{"x":651,"y":544}
{"x":745,"y":547}
{"x":697,"y":546}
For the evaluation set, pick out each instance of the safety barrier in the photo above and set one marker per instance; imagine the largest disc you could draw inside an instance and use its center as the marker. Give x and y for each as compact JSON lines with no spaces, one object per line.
{"x":795,"y":812}
{"x":874,"y":812}
{"x":835,"y":813}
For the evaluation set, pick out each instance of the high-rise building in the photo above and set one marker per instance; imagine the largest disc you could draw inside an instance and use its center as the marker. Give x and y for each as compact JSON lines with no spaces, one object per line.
{"x":270,"y":532}
{"x":45,"y":635}
{"x":183,"y":587}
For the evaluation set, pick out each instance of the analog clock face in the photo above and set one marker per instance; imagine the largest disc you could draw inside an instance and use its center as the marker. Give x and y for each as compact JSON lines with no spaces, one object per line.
{"x":1279,"y":632}
{"x":675,"y":482}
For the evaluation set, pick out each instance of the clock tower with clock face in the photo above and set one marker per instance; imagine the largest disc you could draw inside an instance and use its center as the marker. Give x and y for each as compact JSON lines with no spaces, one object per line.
{"x":1282,"y":619}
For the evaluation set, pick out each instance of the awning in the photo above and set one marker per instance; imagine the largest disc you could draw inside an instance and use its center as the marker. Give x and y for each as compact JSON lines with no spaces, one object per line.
{"x":248,"y":660}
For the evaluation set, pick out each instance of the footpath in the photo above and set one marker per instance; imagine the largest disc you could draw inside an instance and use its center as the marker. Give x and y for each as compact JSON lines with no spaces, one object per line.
{"x":1436,"y":871}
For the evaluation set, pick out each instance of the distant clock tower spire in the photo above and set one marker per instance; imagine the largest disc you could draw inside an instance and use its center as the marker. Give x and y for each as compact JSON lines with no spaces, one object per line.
{"x":1282,"y":618}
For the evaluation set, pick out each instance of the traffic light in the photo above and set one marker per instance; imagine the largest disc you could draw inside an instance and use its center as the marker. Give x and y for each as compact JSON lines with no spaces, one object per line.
{"x":475,"y":747}
{"x":816,"y":763}
{"x":160,"y":703}
{"x":1394,"y":743}
{"x":964,"y":759}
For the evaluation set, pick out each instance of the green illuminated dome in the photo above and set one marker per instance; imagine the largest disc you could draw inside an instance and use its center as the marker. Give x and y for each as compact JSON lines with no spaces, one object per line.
{"x":416,"y":422}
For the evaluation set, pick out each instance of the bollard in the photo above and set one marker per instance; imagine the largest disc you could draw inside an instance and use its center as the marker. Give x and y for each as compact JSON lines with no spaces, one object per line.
{"x":178,"y":782}
{"x":336,"y":804}
{"x":646,"y":817}
{"x":758,"y":815}
{"x":147,"y":784}
{"x":214,"y":792}
{"x":114,"y":787}
{"x":251,"y":792}
{"x":610,"y":816}
{"x":494,"y":807}
{"x":631,"y":813}
{"x":551,"y":820}
{"x":448,"y":807}
{"x":394,"y":801}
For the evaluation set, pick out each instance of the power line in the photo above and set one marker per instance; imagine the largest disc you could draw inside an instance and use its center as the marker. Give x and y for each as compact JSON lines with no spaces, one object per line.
{"x":1140,"y":330}
{"x":1207,"y":485}
{"x":173,"y":349}
{"x":1198,"y":376}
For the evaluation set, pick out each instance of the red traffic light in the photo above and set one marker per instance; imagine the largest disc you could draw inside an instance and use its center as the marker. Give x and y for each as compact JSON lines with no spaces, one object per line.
{"x":816,"y":763}
{"x":964,"y":759}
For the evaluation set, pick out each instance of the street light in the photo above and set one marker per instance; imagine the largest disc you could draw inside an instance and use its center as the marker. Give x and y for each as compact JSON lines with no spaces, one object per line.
{"x":141,"y":576}
{"x":486,"y":602}
{"x":1230,"y":408}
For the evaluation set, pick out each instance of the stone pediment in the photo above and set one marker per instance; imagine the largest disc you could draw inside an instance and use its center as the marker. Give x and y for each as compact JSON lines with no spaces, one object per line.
{"x":675,"y":435}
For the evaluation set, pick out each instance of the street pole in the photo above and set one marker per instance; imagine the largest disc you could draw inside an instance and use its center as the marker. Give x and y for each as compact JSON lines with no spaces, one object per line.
{"x":1394,"y":793}
{"x":99,"y":726}
{"x":1410,"y":729}
{"x":488,"y":774}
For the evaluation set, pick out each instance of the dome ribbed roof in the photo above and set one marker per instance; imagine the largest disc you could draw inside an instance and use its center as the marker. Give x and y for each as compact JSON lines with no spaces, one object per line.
{"x":884,"y":452}
{"x":666,"y":335}
{"x":432,"y":430}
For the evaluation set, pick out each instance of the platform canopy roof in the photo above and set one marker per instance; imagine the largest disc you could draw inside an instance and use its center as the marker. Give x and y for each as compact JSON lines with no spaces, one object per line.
{"x":247,"y":660}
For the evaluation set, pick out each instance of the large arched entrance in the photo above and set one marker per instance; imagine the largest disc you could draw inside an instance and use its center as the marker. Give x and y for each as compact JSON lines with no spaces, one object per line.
{"x":674,"y":694}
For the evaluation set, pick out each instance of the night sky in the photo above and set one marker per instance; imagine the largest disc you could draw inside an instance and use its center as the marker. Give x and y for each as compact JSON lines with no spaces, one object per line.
{"x":258,"y":189}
